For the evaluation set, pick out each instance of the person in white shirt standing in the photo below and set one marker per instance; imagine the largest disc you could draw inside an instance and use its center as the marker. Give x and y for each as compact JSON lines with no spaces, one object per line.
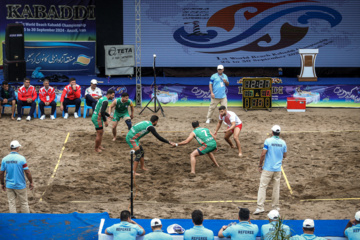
{"x":234,"y":127}
{"x":92,"y":94}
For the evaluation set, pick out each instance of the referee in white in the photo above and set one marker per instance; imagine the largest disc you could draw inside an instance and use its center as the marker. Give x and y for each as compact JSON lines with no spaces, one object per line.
{"x":273,"y":153}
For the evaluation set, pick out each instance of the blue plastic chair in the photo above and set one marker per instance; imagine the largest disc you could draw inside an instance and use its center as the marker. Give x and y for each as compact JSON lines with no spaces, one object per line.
{"x":73,"y":106}
{"x":4,"y":106}
{"x":86,"y":109}
{"x":39,"y":112}
{"x":28,"y":107}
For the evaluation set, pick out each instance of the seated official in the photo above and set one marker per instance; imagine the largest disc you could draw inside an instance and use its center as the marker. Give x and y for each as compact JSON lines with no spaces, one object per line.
{"x":352,"y":229}
{"x":71,"y":96}
{"x":47,"y":98}
{"x":92,"y":94}
{"x":26,"y":97}
{"x":126,"y":229}
{"x":157,"y":233}
{"x":242,"y":230}
{"x":270,"y":231}
{"x":308,"y":228}
{"x":7,"y":96}
{"x":198,"y":231}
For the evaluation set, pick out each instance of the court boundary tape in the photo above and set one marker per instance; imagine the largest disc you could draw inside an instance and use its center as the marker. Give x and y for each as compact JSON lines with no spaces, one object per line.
{"x":56,"y":167}
{"x":286,"y":180}
{"x":315,"y":131}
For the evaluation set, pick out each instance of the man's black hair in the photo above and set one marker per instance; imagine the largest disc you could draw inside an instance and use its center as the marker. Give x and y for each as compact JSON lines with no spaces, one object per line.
{"x":309,"y":229}
{"x":72,"y":79}
{"x":276,"y":133}
{"x":244,"y":214}
{"x":26,"y":79}
{"x":110,"y":91}
{"x":197,"y":217}
{"x":124,"y":215}
{"x":195,"y":124}
{"x":46,"y":80}
{"x":4,"y":83}
{"x":222,"y":108}
{"x":124,"y":94}
{"x":154,"y":118}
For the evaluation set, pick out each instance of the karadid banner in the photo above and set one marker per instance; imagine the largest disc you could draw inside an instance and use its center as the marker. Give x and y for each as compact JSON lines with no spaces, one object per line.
{"x":247,"y":33}
{"x":50,"y":20}
{"x":316,"y":96}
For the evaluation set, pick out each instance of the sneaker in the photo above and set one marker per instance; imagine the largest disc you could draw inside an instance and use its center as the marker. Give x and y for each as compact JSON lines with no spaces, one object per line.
{"x":66,"y":115}
{"x":28,"y":118}
{"x":208,"y":120}
{"x":42,"y":117}
{"x":19,"y":119}
{"x":76,"y":115}
{"x":258,"y":211}
{"x":52,"y":117}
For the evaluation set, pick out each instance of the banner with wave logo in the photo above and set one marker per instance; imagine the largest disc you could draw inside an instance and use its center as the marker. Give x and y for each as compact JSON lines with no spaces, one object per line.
{"x":248,"y":33}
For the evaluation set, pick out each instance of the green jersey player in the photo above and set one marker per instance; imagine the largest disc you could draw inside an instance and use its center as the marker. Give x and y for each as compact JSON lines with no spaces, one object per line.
{"x":121,"y":106}
{"x":207,"y":141}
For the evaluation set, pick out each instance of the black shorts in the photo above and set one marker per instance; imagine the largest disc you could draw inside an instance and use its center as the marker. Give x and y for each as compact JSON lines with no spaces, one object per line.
{"x":139,"y":154}
{"x":99,"y":128}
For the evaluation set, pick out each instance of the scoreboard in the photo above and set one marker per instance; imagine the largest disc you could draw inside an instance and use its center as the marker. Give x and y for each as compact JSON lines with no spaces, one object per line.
{"x":256,"y":93}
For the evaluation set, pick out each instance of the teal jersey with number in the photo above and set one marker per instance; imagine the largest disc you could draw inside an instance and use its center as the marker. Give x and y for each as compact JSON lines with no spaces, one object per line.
{"x":99,"y":105}
{"x":139,"y":130}
{"x":204,"y":137}
{"x":122,"y":107}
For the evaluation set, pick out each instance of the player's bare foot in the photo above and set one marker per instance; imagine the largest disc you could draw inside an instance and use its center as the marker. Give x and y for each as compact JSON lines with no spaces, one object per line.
{"x":192,"y":175}
{"x":137,"y":174}
{"x":145,"y":169}
{"x":240,"y":155}
{"x":114,"y":139}
{"x":12,"y":118}
{"x":98,"y":150}
{"x":102,"y":148}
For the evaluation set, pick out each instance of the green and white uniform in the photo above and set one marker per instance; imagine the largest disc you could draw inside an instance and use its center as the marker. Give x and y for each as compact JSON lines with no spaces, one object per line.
{"x":204,"y":138}
{"x":136,"y":132}
{"x":99,"y":115}
{"x":121,"y":109}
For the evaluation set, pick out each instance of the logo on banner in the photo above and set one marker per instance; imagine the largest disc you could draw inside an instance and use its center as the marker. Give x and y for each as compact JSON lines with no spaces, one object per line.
{"x":83,"y":60}
{"x":216,"y":41}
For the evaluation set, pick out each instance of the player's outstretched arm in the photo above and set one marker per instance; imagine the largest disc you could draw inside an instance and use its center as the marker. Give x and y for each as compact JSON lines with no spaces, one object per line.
{"x":212,"y":135}
{"x":113,"y":104}
{"x":218,"y":127}
{"x":160,"y":138}
{"x":186,"y":141}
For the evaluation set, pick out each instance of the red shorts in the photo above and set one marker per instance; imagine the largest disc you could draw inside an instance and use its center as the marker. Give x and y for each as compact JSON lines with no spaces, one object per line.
{"x":237,"y":126}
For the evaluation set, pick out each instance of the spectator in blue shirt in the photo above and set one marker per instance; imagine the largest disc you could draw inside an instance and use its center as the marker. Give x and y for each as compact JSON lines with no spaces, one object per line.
{"x":273,"y":153}
{"x":268,"y":230}
{"x":244,"y":230}
{"x":7,"y":96}
{"x":126,"y":229}
{"x":308,"y":228}
{"x":198,"y":231}
{"x":15,"y":165}
{"x":217,"y":84}
{"x":157,"y":233}
{"x":352,"y":229}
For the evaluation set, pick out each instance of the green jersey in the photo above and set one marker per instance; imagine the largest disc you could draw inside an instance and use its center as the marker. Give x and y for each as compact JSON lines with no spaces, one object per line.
{"x":99,"y":105}
{"x":204,"y":137}
{"x":122,"y":107}
{"x":139,"y":130}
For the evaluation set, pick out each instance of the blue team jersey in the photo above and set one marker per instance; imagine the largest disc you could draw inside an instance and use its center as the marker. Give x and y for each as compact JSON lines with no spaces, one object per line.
{"x":307,"y":237}
{"x":14,"y":165}
{"x":353,"y":233}
{"x":218,"y":85}
{"x":125,"y":230}
{"x":267,"y":229}
{"x":158,"y":235}
{"x":198,"y":233}
{"x":242,"y":231}
{"x":276,"y":147}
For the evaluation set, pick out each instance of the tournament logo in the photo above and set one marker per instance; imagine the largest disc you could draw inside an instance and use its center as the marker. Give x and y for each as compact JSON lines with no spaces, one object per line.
{"x":213,"y":42}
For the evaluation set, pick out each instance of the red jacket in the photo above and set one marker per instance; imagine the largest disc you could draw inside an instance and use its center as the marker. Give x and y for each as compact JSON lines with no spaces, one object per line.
{"x":69,"y":93}
{"x":24,"y":94}
{"x":47,"y":96}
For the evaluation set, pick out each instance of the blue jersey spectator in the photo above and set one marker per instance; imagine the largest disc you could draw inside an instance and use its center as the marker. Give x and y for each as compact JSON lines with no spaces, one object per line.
{"x":15,"y":166}
{"x":126,"y":229}
{"x":352,"y":229}
{"x":244,"y":230}
{"x":198,"y":231}
{"x":273,"y":153}
{"x":217,"y":86}
{"x":267,"y":230}
{"x":157,"y":233}
{"x":308,"y":228}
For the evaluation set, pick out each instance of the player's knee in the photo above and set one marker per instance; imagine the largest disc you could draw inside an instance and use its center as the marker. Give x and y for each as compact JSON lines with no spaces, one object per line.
{"x":128,"y":123}
{"x":138,"y":155}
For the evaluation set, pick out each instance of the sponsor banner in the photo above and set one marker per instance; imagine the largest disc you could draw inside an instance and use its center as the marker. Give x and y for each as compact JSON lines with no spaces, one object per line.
{"x":247,"y":33}
{"x":316,"y":96}
{"x":119,"y":59}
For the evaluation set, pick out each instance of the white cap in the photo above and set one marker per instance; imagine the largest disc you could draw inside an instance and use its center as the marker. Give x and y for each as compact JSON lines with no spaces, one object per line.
{"x":357,"y":216}
{"x":276,"y":128}
{"x":308,"y":223}
{"x":15,"y":144}
{"x":175,"y":228}
{"x":220,"y":67}
{"x":93,"y":81}
{"x":273,"y":215}
{"x":155,"y":222}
